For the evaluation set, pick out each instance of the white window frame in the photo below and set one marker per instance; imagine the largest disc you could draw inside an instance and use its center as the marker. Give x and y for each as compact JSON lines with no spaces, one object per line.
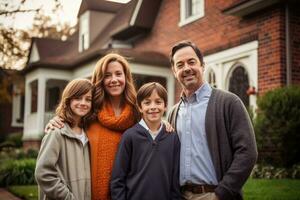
{"x":223,"y":62}
{"x":84,"y":31}
{"x":16,"y":107}
{"x":183,"y":11}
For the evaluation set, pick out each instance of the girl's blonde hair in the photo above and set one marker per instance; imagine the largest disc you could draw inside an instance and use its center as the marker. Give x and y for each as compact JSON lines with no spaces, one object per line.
{"x":75,"y":89}
{"x":101,"y":95}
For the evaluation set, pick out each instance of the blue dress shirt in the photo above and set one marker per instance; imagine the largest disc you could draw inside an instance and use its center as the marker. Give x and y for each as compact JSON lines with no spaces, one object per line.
{"x":196,"y":165}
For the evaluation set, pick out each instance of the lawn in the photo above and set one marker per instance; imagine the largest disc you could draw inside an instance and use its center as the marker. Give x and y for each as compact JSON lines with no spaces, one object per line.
{"x":276,"y":189}
{"x":255,"y":189}
{"x":26,"y":192}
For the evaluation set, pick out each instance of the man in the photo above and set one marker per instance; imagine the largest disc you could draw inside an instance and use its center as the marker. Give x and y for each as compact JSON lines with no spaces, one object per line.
{"x":218,"y":148}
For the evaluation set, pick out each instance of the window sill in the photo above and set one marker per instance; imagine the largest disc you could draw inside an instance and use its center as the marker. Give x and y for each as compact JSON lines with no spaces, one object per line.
{"x":191,"y":19}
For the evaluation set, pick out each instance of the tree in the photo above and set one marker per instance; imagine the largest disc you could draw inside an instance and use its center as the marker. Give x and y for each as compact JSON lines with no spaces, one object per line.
{"x":15,"y":42}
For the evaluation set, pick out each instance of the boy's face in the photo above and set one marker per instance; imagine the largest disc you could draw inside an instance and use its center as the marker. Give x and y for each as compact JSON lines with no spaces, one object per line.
{"x":153,"y":108}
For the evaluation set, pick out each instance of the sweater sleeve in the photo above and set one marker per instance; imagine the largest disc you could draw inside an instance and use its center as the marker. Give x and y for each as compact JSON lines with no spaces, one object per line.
{"x":120,"y":169}
{"x":244,"y":151}
{"x":175,"y":190}
{"x":46,"y":173}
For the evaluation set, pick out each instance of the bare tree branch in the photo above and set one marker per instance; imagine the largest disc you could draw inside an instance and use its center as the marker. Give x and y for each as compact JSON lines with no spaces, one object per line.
{"x":18,"y":11}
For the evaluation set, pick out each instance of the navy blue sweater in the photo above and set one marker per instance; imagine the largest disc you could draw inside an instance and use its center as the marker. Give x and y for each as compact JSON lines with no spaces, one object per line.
{"x":146,"y":169}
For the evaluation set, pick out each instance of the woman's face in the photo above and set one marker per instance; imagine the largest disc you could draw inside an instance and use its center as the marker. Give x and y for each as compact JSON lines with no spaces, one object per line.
{"x":114,"y":79}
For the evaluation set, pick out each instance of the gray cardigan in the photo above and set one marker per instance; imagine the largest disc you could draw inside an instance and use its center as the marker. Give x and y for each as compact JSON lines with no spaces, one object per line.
{"x":231,"y":141}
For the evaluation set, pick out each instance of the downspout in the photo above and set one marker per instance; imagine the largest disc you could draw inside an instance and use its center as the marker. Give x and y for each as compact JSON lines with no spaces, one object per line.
{"x":287,"y":45}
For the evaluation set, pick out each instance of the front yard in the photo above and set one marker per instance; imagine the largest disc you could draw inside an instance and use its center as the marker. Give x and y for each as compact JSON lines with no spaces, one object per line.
{"x":255,"y":189}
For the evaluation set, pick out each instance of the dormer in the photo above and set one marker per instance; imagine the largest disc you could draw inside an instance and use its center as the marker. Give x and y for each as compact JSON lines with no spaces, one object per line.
{"x":94,"y":16}
{"x":84,"y":36}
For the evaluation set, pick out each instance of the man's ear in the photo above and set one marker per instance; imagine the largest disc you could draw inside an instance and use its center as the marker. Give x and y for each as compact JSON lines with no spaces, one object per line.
{"x":203,"y":67}
{"x":173,"y":70}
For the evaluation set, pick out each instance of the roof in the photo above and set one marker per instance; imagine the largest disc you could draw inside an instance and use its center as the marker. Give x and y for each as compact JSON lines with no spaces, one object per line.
{"x":245,"y":7}
{"x":130,"y":21}
{"x":99,"y":5}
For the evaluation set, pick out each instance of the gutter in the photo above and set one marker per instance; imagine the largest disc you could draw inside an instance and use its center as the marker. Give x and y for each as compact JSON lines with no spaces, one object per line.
{"x":287,"y":46}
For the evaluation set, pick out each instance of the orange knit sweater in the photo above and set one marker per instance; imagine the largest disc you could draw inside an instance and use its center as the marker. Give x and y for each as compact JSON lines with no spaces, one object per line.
{"x":104,"y":138}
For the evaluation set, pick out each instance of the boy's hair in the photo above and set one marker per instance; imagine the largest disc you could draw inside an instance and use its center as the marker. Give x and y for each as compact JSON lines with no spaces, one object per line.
{"x":75,"y":89}
{"x":147,"y":89}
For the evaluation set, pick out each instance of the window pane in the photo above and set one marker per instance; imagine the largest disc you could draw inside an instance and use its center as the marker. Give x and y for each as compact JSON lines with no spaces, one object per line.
{"x":34,"y":97}
{"x":54,"y":90}
{"x":239,"y":83}
{"x":193,"y":7}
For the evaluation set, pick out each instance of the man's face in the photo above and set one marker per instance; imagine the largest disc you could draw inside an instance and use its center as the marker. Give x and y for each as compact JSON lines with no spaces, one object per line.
{"x":188,"y":69}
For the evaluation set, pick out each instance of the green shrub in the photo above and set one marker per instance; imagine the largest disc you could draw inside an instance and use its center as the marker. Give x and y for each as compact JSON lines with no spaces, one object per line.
{"x":12,"y":140}
{"x":17,"y":172}
{"x":277,"y":126}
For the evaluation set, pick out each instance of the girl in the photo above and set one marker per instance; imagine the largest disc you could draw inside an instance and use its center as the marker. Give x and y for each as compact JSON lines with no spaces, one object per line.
{"x":63,"y":164}
{"x":115,"y":111}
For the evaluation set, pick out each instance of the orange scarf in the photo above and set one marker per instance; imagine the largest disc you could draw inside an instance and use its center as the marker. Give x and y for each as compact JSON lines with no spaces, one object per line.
{"x":104,"y":138}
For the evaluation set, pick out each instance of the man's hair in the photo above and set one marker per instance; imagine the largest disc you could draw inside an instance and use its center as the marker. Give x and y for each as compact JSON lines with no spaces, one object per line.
{"x":182,"y":44}
{"x":147,"y":89}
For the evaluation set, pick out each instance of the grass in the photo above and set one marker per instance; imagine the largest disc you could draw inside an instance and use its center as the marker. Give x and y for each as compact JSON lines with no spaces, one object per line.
{"x":255,"y":189}
{"x":275,"y":189}
{"x":26,"y":192}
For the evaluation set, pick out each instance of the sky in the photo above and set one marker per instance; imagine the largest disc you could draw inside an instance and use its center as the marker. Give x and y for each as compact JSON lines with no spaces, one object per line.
{"x":24,"y":20}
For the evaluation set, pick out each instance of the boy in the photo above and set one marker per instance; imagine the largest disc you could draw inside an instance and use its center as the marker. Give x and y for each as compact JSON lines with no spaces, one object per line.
{"x":147,"y":161}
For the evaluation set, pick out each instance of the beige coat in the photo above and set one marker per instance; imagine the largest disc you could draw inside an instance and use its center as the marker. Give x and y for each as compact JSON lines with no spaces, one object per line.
{"x":63,"y":167}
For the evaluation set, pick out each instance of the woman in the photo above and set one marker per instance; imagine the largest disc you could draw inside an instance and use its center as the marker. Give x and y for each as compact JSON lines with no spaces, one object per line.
{"x":115,"y":111}
{"x":115,"y":100}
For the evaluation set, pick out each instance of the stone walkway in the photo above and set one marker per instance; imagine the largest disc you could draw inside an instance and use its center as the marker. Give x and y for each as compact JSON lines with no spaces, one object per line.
{"x":5,"y":195}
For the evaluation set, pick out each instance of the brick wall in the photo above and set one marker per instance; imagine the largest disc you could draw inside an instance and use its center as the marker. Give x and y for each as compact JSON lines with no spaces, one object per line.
{"x":216,"y":31}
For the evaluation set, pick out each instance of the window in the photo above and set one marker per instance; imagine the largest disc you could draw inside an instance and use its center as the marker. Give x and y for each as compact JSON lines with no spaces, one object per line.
{"x":84,"y":32}
{"x":34,"y":97}
{"x":239,"y":83}
{"x":54,"y":88}
{"x":212,"y":78}
{"x":190,"y":10}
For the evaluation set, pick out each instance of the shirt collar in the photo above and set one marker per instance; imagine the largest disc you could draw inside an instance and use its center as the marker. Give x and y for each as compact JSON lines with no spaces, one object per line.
{"x":202,"y":91}
{"x":143,"y":124}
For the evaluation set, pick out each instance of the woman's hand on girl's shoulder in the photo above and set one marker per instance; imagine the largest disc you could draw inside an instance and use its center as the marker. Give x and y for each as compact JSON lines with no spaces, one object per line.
{"x":55,"y":122}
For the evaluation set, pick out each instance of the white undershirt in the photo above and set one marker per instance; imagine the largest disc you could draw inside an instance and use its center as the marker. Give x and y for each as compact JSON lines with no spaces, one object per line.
{"x":82,"y":137}
{"x":153,"y":134}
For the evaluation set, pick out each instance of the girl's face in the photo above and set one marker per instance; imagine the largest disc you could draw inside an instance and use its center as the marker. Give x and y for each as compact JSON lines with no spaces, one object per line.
{"x":114,"y":79}
{"x":82,"y":105}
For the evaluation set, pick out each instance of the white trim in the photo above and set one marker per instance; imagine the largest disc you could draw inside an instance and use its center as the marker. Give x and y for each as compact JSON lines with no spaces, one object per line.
{"x":84,"y":29}
{"x":135,"y":12}
{"x":34,"y":56}
{"x":186,"y":20}
{"x":231,"y":53}
{"x":16,"y":107}
{"x":223,"y":63}
{"x":34,"y":122}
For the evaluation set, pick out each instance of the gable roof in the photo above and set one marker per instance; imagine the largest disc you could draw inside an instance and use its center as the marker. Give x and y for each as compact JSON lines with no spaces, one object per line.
{"x":98,"y":5}
{"x":131,"y":20}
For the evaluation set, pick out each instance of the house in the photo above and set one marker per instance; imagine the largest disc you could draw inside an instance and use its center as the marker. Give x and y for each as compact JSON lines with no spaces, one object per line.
{"x":11,"y":102}
{"x":250,"y":47}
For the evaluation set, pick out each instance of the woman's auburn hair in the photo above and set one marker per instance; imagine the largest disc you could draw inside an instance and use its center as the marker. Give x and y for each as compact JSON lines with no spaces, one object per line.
{"x":100,"y":95}
{"x":74,"y":89}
